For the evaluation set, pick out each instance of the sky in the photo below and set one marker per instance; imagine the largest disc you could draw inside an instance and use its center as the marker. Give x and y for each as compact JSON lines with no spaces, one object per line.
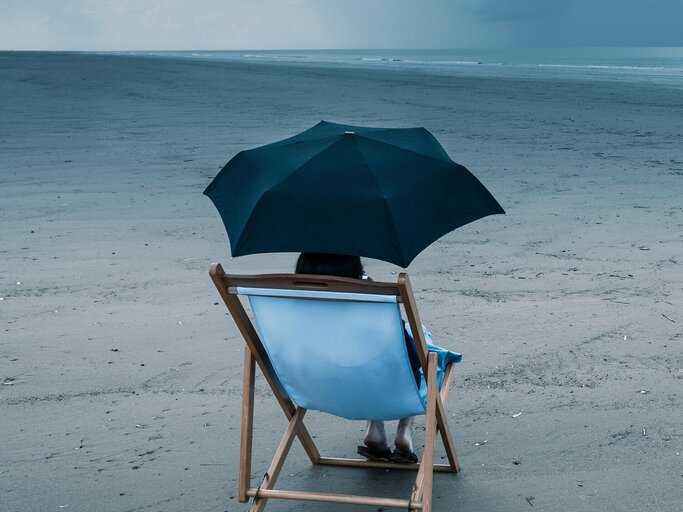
{"x":320,"y":24}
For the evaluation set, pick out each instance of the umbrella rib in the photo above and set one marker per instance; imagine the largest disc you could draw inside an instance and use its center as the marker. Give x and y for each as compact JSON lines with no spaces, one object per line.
{"x":302,"y":164}
{"x":284,"y":142}
{"x":247,"y":225}
{"x":384,"y":199}
{"x":448,"y":159}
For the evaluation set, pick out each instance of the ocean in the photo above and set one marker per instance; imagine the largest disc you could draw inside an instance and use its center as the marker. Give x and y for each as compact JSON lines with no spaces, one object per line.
{"x":649,"y":65}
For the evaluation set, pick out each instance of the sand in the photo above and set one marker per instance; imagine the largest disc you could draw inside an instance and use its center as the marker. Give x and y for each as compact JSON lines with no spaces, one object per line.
{"x":120,"y":371}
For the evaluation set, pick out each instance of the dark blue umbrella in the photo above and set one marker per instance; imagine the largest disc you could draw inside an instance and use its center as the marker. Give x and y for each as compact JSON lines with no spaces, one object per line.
{"x":384,"y":193}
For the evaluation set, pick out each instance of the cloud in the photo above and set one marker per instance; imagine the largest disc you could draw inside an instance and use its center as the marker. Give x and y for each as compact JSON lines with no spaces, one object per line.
{"x":515,"y":10}
{"x":162,"y":24}
{"x":292,"y":24}
{"x":584,"y":22}
{"x":225,"y":24}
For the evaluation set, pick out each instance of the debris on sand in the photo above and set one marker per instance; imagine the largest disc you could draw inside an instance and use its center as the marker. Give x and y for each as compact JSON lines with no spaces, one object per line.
{"x":518,"y":414}
{"x":669,"y":319}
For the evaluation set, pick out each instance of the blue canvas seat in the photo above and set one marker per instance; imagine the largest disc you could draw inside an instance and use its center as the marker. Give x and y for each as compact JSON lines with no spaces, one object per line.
{"x":338,"y":346}
{"x":345,"y":355}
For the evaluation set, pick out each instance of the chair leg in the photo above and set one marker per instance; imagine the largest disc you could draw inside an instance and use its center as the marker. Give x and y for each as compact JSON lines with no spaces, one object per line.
{"x":430,"y":435}
{"x":246,"y":433}
{"x":442,"y":427}
{"x":304,"y":436}
{"x":442,"y":421}
{"x":423,"y":483}
{"x":279,"y":459}
{"x":239,"y":315}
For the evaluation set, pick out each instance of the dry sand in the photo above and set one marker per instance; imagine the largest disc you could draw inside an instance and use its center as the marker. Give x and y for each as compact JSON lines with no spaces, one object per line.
{"x":120,"y":372}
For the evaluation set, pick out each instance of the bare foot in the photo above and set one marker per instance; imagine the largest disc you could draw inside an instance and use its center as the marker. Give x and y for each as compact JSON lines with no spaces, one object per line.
{"x":404,"y":435}
{"x":375,"y":436}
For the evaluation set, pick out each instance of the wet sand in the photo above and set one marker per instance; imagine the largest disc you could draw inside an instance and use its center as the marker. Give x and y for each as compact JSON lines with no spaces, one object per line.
{"x":120,"y":373}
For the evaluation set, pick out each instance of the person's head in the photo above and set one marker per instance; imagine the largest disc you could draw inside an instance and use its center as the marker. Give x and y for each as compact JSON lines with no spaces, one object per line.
{"x":329,"y":265}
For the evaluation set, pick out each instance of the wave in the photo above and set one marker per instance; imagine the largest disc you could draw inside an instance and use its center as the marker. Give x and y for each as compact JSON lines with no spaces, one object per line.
{"x":381,"y":59}
{"x":608,"y":67}
{"x":531,"y":66}
{"x":452,"y":62}
{"x":665,"y":69}
{"x":271,"y":56}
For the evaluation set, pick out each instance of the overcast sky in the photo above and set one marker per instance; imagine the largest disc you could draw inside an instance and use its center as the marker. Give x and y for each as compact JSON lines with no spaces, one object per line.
{"x":307,"y":24}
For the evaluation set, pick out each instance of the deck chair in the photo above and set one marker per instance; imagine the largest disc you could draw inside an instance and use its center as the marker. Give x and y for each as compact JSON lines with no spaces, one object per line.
{"x":335,"y":345}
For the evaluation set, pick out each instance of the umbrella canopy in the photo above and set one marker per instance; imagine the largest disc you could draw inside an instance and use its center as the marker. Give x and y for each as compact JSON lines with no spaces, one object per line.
{"x":384,"y":193}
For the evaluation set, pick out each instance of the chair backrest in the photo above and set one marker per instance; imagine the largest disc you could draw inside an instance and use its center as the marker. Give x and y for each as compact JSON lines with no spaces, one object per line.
{"x":338,"y":352}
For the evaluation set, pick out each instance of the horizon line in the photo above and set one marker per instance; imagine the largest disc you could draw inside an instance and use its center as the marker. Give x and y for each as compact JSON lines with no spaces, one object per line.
{"x":335,"y":49}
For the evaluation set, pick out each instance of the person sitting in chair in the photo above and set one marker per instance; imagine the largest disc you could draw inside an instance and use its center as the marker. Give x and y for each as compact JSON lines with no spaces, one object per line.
{"x":375,"y":440}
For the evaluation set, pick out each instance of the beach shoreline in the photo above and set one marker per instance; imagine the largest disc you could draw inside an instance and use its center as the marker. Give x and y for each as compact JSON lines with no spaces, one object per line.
{"x":120,"y":371}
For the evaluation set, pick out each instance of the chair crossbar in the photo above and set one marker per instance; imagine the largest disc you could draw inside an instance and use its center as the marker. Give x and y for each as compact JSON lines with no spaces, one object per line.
{"x":334,"y":498}
{"x":378,"y":464}
{"x":304,"y":282}
{"x":315,"y":294}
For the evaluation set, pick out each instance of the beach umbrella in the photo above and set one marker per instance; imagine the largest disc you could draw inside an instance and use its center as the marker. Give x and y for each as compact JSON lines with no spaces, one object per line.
{"x":384,"y":193}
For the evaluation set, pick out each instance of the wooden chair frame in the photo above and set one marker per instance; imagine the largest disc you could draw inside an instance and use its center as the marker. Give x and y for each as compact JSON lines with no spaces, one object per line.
{"x":255,"y":353}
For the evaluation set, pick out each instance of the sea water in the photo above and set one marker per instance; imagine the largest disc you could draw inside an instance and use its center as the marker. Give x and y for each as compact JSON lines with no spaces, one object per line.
{"x":653,"y":65}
